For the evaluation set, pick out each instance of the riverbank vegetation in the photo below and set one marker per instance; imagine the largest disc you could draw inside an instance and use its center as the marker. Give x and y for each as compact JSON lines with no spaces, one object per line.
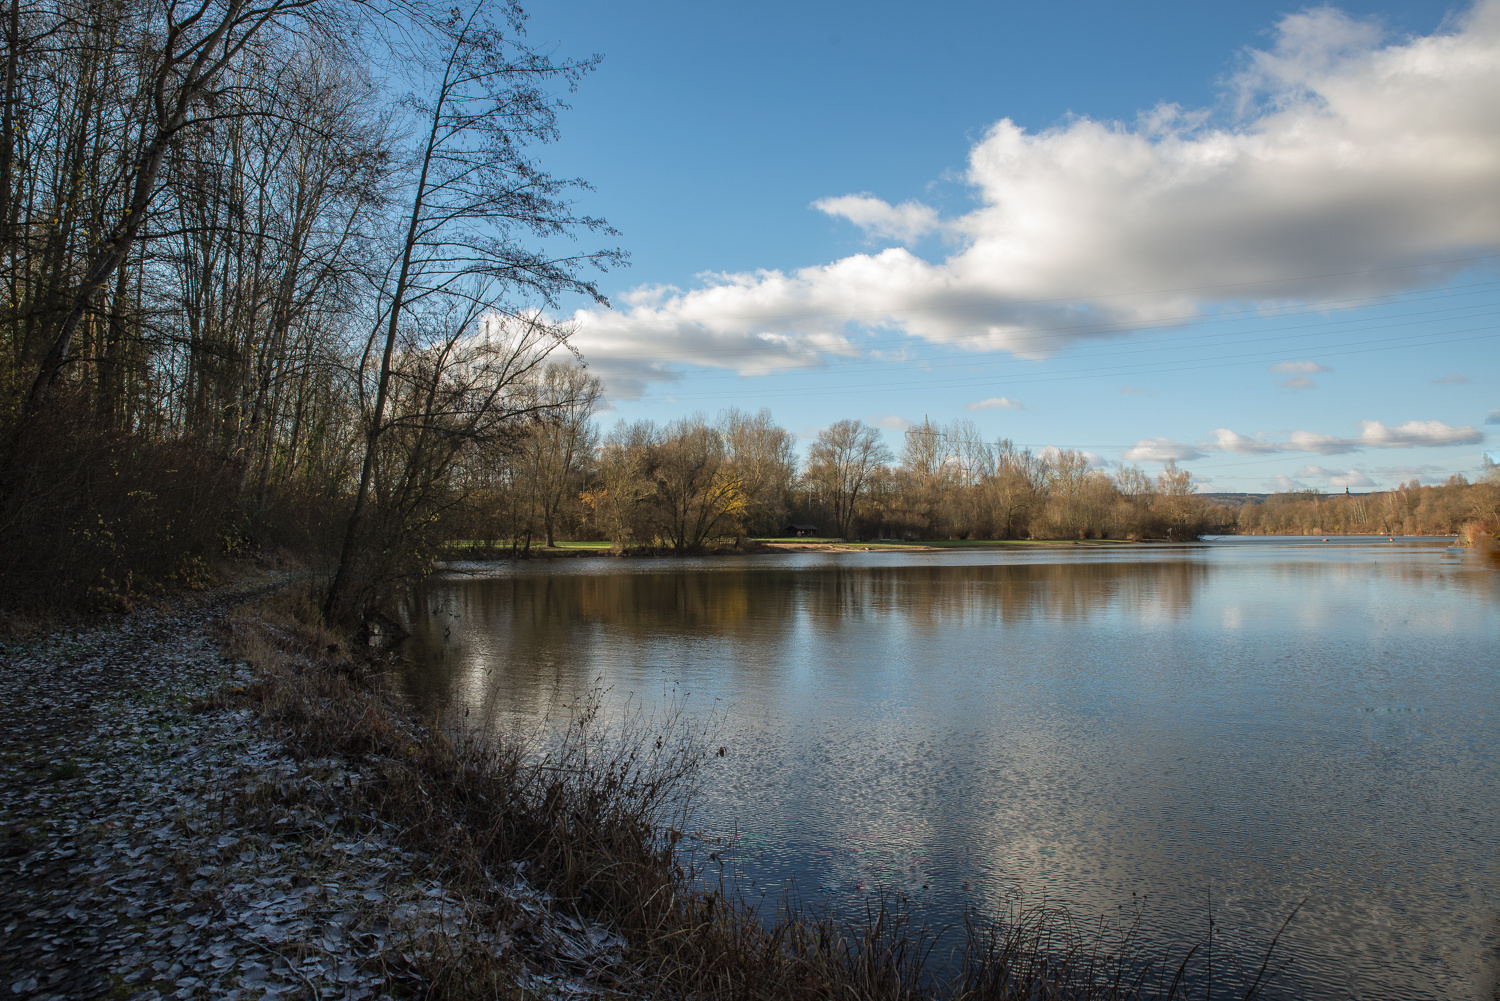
{"x":677,"y":486}
{"x":1410,"y":509}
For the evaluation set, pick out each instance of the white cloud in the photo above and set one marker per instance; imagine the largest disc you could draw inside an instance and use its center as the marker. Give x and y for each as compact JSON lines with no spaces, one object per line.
{"x":1451,"y":379}
{"x":1232,"y":441}
{"x":1283,"y":483}
{"x":1161,"y":450}
{"x":1493,"y":417}
{"x":1129,"y":390}
{"x":1091,"y":459}
{"x":1323,"y":444}
{"x":1416,"y":433}
{"x":1299,"y":371}
{"x":1337,"y":477}
{"x":994,"y":403}
{"x":904,"y":223}
{"x":1373,"y":434}
{"x":1354,"y":164}
{"x":1402,"y":474}
{"x":891,"y":423}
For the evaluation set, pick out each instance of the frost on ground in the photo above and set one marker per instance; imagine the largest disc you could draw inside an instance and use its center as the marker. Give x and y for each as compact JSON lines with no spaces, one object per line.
{"x":159,"y":842}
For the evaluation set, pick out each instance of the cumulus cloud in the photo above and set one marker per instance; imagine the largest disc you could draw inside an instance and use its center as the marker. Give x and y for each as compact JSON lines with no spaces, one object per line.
{"x":1161,"y":450}
{"x":1299,"y":371}
{"x":904,"y":223}
{"x":1091,"y":459}
{"x":994,"y":403}
{"x":1315,"y":441}
{"x":1412,"y":434}
{"x":1373,"y":434}
{"x":1337,"y":477}
{"x":1493,"y":417}
{"x":1422,"y":473}
{"x":1281,"y":483}
{"x":891,"y":423}
{"x":1352,"y":165}
{"x":1233,"y":441}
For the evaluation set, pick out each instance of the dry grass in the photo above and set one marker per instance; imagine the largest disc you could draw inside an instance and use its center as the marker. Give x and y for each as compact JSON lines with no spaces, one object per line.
{"x":597,"y":821}
{"x":1481,"y":534}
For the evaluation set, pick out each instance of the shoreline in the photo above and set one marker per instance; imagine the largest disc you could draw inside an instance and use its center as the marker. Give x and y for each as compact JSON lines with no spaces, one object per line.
{"x":168,"y":833}
{"x":762,"y":548}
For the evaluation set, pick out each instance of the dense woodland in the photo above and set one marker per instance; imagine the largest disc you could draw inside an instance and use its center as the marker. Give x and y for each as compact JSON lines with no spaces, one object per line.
{"x":254,"y":294}
{"x":258,"y":294}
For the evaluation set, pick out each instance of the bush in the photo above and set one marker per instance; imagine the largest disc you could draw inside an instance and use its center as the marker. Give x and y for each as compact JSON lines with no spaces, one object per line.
{"x":92,"y":519}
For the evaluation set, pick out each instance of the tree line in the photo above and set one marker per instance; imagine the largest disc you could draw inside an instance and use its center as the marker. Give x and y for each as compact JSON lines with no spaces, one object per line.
{"x":1410,"y":509}
{"x":272,"y":273}
{"x":686,"y":483}
{"x":683,"y":484}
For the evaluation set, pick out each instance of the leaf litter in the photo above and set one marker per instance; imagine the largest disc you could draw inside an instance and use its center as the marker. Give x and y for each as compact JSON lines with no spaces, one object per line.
{"x":159,"y":841}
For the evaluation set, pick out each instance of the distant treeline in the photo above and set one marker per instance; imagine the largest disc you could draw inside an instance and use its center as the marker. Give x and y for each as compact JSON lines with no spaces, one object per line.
{"x":683,"y":484}
{"x":1410,"y":509}
{"x":680,"y":485}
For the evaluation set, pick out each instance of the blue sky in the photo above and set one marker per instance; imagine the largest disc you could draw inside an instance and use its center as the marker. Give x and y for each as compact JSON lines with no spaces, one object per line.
{"x":1254,"y":237}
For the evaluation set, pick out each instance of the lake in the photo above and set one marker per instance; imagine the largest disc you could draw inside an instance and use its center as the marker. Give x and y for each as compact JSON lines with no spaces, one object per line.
{"x":1224,"y":728}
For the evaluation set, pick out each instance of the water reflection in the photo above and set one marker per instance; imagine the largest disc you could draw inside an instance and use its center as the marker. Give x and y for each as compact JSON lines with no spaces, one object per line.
{"x":1261,"y":722}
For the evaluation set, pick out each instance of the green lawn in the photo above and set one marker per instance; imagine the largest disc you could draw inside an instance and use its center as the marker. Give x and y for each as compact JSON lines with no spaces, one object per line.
{"x":458,"y":545}
{"x":991,"y":543}
{"x":505,"y":544}
{"x":946,"y":543}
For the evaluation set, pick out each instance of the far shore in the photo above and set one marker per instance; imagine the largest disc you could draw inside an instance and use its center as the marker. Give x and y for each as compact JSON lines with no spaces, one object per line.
{"x":467,"y":552}
{"x":753,"y":547}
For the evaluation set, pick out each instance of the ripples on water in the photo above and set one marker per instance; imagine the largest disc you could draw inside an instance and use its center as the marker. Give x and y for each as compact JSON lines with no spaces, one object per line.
{"x":1251,"y":722}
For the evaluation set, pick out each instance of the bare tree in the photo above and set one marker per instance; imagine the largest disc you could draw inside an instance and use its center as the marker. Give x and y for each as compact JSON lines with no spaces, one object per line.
{"x":561,"y":439}
{"x":187,"y":52}
{"x":1013,"y":490}
{"x":1174,"y":486}
{"x":475,"y":199}
{"x":760,"y":453}
{"x":697,"y":491}
{"x":621,"y":496}
{"x":840,"y":463}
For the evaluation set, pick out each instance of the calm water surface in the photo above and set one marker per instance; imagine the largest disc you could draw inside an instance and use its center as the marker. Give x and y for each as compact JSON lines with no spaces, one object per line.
{"x":1246,"y":722}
